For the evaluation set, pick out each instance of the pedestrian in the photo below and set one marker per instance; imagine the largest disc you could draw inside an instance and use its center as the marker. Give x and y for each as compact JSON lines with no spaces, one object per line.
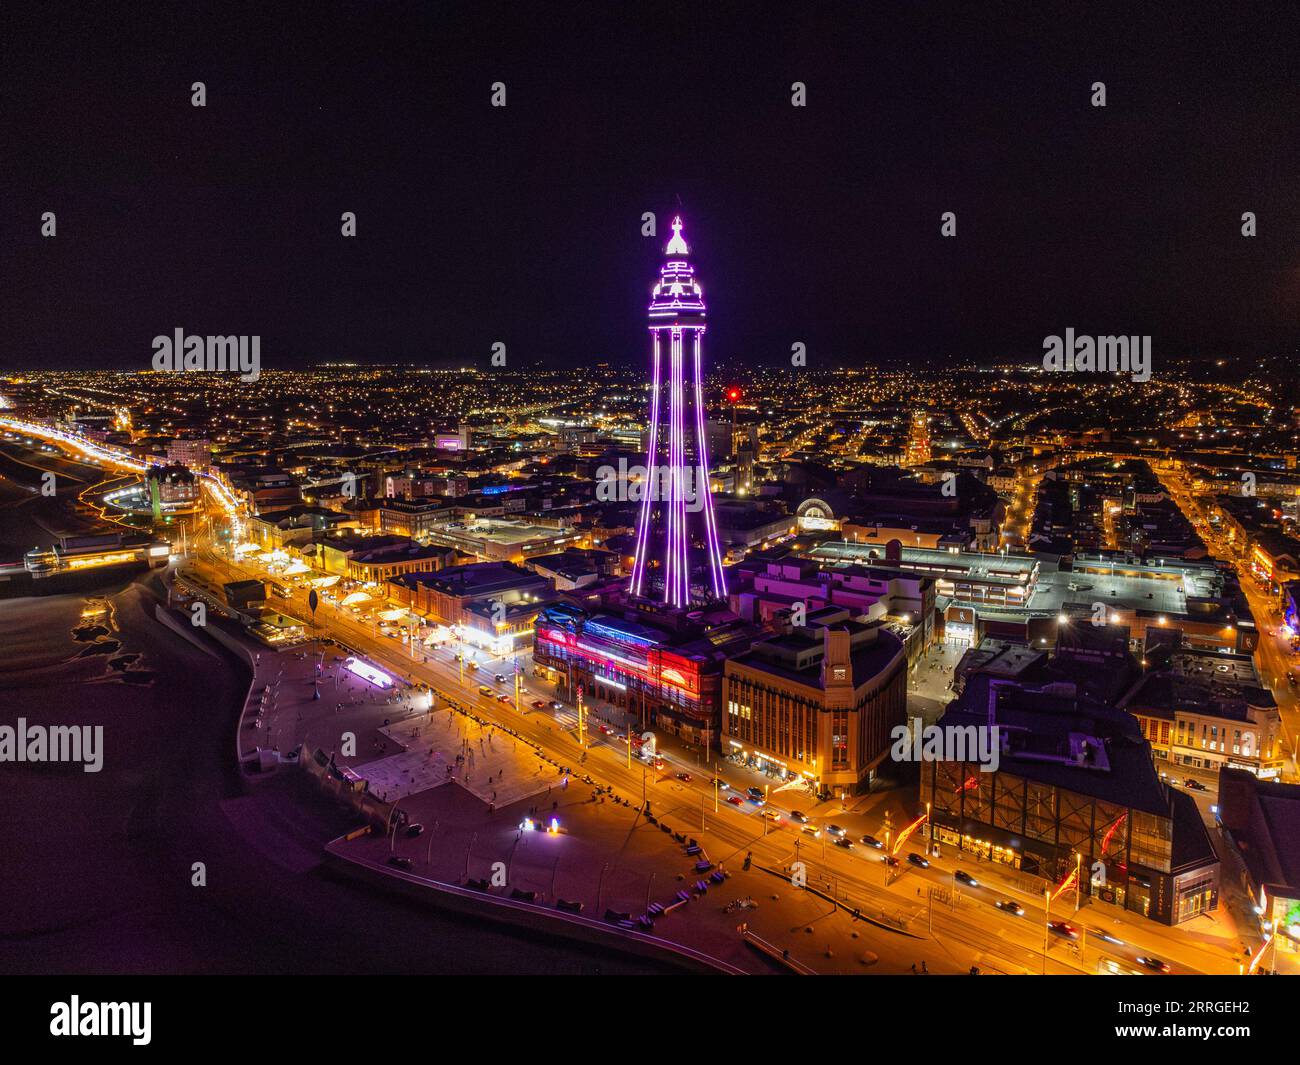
{"x":913,"y":968}
{"x":924,"y":969}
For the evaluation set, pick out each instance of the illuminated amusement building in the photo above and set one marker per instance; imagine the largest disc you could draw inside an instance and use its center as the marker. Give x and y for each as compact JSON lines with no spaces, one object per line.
{"x":676,"y":506}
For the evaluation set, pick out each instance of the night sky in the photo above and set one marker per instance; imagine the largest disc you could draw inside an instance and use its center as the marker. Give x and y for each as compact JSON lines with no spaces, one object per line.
{"x":476,"y":224}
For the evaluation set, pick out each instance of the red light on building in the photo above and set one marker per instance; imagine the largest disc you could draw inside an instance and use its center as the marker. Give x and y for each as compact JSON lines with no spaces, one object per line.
{"x":733,"y":394}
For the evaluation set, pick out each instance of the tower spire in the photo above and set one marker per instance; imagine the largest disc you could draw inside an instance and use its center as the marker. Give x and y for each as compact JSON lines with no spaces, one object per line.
{"x":676,"y":497}
{"x":677,"y":246}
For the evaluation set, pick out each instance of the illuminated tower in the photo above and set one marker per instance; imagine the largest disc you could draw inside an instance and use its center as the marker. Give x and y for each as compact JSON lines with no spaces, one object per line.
{"x":676,"y":505}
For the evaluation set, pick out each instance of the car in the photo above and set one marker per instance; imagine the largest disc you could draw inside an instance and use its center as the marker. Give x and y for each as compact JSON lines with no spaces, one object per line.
{"x":538,"y":704}
{"x":399,"y":860}
{"x":811,"y":830}
{"x":1010,"y":906}
{"x":1101,"y":933}
{"x":500,"y":678}
{"x":1154,"y":964}
{"x":735,"y":800}
{"x":1064,"y":929}
{"x":845,"y":842}
{"x":835,"y":830}
{"x":1290,"y":678}
{"x":755,"y":796}
{"x":556,"y":705}
{"x":484,"y":690}
{"x":918,"y":860}
{"x":607,"y":731}
{"x":889,"y":859}
{"x":800,"y":816}
{"x":965,"y":878}
{"x":1193,"y":785}
{"x":503,"y":698}
{"x":772,"y":815}
{"x":685,"y":777}
{"x":471,"y":664}
{"x":414,"y":830}
{"x":721,"y":784}
{"x":659,"y":763}
{"x":871,"y":841}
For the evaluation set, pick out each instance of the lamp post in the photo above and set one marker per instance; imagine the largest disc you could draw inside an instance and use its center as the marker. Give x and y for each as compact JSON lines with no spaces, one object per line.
{"x":1047,"y":923}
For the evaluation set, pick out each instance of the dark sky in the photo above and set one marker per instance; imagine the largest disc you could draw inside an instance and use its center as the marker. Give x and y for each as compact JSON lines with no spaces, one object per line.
{"x":522,"y":224}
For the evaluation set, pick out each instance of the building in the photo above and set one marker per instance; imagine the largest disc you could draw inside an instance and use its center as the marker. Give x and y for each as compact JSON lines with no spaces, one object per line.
{"x":374,"y":559}
{"x":664,"y":667}
{"x":766,"y":588}
{"x":1261,"y":822}
{"x":173,"y":484}
{"x":1074,"y":788}
{"x":493,"y":604}
{"x":500,"y":540}
{"x":296,"y":526}
{"x":1202,"y":710}
{"x":818,"y":702}
{"x":416,"y":518}
{"x":194,"y":452}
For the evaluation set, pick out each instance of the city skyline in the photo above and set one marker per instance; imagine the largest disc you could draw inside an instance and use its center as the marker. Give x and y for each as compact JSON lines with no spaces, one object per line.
{"x":604,"y":491}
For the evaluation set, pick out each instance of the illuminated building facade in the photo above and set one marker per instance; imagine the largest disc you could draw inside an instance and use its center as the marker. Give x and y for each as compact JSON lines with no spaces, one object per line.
{"x":676,"y":504}
{"x":819,"y":702}
{"x":665,"y":670}
{"x":1074,"y":788}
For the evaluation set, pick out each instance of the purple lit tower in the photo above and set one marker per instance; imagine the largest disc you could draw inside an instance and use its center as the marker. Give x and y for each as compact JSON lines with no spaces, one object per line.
{"x":676,"y":500}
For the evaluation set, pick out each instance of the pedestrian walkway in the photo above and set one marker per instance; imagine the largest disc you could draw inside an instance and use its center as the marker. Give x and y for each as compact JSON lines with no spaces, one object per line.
{"x":491,"y":764}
